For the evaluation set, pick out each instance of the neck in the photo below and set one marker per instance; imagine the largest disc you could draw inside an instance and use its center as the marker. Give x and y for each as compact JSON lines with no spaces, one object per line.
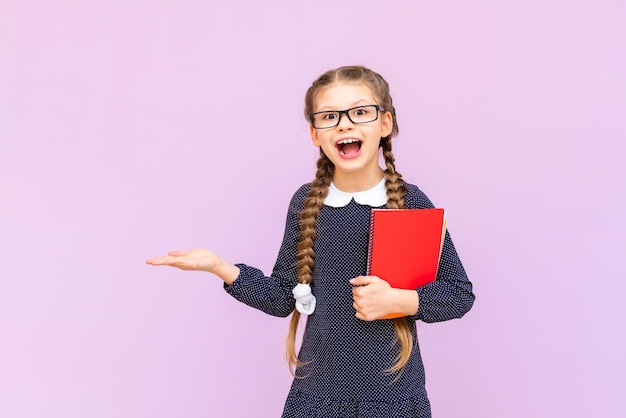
{"x":350,"y":183}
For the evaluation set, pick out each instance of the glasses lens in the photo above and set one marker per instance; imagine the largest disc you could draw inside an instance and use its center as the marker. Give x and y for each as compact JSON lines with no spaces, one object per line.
{"x":363,"y":114}
{"x":325,"y":119}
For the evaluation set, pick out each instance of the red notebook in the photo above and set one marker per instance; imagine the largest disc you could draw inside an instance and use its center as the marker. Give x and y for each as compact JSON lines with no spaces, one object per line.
{"x":405,"y":245}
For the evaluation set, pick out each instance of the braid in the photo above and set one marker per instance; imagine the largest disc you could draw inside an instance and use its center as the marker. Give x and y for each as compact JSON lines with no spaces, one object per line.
{"x":308,"y":217}
{"x":393,"y":180}
{"x":396,"y":190}
{"x":305,"y":258}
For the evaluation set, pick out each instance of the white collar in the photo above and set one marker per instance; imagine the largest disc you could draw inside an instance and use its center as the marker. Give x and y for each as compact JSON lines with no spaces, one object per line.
{"x":374,"y":197}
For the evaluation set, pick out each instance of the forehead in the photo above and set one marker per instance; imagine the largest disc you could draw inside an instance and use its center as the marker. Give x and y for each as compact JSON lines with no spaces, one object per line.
{"x":343,"y":95}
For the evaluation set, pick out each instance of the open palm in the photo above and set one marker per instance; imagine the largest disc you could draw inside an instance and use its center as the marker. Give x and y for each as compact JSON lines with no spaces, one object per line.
{"x":197,"y":259}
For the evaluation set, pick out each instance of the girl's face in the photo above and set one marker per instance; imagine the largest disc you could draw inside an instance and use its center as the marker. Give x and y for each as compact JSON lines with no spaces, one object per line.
{"x":352,"y":148}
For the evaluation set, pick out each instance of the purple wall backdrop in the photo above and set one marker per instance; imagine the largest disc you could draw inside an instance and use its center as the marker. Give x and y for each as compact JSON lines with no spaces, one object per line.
{"x":131,"y":128}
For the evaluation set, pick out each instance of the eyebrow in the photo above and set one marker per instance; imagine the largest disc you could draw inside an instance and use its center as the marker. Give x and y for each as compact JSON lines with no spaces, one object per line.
{"x":354,"y":104}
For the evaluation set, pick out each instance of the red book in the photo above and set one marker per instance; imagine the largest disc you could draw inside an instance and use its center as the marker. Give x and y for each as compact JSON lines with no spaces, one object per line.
{"x":405,"y":245}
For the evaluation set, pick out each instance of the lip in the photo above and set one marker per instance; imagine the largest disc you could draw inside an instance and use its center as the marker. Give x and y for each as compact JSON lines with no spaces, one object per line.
{"x":347,"y":139}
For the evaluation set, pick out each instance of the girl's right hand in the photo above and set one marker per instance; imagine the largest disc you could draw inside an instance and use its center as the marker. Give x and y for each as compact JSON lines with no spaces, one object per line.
{"x":198,"y":260}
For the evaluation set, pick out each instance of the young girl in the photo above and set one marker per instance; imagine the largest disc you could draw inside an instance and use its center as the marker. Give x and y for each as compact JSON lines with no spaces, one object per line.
{"x":351,"y":362}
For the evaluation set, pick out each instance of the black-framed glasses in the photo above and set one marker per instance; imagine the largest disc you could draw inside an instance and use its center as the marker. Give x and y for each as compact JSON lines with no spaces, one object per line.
{"x":358,"y":114}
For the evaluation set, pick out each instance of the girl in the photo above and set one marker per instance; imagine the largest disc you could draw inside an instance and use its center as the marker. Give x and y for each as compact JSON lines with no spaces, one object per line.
{"x":351,"y":362}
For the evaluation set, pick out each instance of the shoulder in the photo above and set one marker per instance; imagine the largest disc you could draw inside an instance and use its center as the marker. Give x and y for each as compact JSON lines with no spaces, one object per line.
{"x":416,"y":199}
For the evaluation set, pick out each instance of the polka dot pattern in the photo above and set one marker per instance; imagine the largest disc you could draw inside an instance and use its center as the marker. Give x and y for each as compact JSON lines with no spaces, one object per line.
{"x":346,"y":358}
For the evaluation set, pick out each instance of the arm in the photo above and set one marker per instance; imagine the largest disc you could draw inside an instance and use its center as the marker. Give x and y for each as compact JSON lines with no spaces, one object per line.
{"x":273,"y":294}
{"x":246,"y":284}
{"x":450,"y":295}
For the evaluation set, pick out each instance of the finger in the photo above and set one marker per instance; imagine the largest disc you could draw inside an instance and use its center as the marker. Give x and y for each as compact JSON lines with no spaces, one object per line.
{"x":363,"y":280}
{"x":358,"y":313}
{"x":364,"y":317}
{"x":360,"y":292}
{"x":155,"y":261}
{"x":175,"y":253}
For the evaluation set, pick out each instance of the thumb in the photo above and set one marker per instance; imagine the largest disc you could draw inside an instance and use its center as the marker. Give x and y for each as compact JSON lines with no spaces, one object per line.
{"x":363,"y":280}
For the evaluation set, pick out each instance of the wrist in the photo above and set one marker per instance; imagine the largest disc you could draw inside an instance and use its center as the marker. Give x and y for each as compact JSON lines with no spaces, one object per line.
{"x":406,"y":302}
{"x":226,"y":271}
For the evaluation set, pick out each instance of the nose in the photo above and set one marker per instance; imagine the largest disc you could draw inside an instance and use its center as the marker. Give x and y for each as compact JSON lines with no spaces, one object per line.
{"x":344,"y":122}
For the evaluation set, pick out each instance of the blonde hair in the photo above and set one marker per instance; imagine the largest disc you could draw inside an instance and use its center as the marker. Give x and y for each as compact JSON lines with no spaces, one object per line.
{"x":319,"y":189}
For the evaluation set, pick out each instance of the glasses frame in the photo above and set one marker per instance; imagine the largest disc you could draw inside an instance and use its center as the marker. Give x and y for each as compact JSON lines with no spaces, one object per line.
{"x":378,"y":108}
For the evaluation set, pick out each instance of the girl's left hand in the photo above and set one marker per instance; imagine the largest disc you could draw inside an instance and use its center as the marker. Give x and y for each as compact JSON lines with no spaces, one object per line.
{"x":373,"y":297}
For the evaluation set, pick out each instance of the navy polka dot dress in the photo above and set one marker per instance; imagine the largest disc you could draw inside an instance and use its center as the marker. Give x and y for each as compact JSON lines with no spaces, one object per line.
{"x":345,"y":357}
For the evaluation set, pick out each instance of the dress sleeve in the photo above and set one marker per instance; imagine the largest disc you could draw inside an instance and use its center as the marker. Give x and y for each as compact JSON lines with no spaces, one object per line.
{"x":273,"y":295}
{"x":450,"y":295}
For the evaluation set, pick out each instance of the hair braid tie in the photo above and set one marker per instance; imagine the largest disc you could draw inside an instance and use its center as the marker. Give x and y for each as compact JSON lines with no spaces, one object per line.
{"x":305,"y":301}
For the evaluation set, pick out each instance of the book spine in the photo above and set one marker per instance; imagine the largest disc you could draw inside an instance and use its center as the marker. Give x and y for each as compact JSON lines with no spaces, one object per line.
{"x":370,"y":244}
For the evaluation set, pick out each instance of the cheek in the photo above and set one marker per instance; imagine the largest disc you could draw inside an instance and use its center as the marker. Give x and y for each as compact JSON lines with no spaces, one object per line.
{"x":315,"y":137}
{"x":321,"y":139}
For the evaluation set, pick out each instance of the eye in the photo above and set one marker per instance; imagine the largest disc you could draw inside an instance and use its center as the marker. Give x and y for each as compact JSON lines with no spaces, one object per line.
{"x":360,"y":111}
{"x":329,"y":115}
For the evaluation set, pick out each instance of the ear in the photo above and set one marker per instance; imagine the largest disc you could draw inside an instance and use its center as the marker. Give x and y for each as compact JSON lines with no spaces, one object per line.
{"x":314,"y":137}
{"x":386,"y":124}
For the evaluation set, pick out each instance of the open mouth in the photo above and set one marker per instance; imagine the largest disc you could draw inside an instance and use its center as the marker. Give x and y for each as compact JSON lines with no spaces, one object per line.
{"x":349,"y":147}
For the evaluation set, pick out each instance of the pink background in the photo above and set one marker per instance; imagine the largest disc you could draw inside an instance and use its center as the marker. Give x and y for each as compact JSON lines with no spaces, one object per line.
{"x":128,"y":129}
